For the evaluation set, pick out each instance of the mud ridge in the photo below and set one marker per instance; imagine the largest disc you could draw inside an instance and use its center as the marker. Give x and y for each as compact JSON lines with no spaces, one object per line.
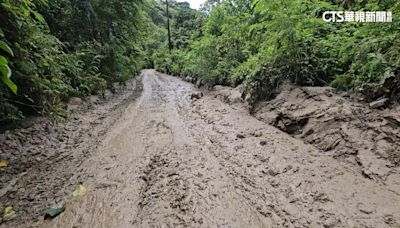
{"x":345,"y":129}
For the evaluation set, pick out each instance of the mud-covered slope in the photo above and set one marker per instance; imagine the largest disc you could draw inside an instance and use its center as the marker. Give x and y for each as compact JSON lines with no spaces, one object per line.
{"x":368,"y":139}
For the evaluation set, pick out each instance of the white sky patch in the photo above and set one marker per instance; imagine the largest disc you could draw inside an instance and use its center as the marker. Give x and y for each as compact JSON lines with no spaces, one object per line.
{"x":195,"y":4}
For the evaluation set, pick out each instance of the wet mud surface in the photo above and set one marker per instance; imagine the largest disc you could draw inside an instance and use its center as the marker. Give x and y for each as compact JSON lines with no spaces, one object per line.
{"x":167,"y":158}
{"x":364,"y":138}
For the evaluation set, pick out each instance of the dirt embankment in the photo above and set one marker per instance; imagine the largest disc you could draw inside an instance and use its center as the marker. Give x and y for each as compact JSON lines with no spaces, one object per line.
{"x":367,"y":139}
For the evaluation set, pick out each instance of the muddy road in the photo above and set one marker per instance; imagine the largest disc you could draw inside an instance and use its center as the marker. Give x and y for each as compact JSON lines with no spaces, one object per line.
{"x":171,"y":161}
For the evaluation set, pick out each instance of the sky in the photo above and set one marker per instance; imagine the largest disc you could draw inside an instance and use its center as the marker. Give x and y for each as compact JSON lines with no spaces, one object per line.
{"x":195,"y":4}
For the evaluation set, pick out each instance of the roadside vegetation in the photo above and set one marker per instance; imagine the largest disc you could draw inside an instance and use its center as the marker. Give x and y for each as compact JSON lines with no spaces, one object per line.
{"x":264,"y":42}
{"x":53,"y":50}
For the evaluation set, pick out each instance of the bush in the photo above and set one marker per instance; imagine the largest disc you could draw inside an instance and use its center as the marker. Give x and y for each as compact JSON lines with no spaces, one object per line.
{"x":66,"y":48}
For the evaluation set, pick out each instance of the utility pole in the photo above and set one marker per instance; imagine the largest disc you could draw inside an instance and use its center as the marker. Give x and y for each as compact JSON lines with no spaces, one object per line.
{"x":169,"y":28}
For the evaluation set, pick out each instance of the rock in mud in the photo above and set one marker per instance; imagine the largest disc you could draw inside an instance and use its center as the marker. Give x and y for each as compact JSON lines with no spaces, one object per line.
{"x":365,"y":209}
{"x":379,"y":103}
{"x":53,"y":212}
{"x":256,"y":134}
{"x":107,"y":94}
{"x":331,"y":222}
{"x":196,"y":95}
{"x":228,"y":95}
{"x":274,"y":182}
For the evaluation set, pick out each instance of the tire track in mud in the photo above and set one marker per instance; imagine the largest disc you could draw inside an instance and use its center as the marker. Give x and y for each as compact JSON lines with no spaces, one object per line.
{"x":168,"y":179}
{"x":47,"y":182}
{"x":288,"y":181}
{"x":183,"y":187}
{"x":175,"y":162}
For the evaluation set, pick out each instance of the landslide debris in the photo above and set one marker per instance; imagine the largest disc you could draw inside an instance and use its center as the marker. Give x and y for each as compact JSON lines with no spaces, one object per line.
{"x":340,"y":127}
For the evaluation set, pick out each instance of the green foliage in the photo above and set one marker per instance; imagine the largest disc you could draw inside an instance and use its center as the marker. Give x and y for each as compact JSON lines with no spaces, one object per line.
{"x":4,"y":68}
{"x":62,"y":48}
{"x":262,"y":43}
{"x":52,"y":50}
{"x":244,"y":70}
{"x":376,"y":54}
{"x":4,"y":47}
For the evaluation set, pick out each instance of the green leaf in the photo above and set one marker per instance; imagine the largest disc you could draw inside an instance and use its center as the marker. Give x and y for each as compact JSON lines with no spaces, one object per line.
{"x":1,"y":33}
{"x":5,"y":70}
{"x":9,"y":213}
{"x":79,"y":191}
{"x":39,"y":16}
{"x":3,"y":164}
{"x":43,"y":2}
{"x":4,"y":46}
{"x":3,"y":61}
{"x":10,"y":84}
{"x":6,"y":74}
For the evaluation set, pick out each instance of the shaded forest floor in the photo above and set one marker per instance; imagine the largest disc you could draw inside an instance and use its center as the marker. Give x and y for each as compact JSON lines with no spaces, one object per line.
{"x":160,"y":153}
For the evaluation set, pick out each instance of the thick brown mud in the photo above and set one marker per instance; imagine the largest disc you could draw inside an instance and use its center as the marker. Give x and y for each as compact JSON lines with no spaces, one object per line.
{"x":172,"y":160}
{"x":364,"y":138}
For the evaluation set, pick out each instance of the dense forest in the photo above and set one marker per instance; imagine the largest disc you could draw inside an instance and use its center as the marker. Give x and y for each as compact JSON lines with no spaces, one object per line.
{"x":53,"y":50}
{"x":262,"y":43}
